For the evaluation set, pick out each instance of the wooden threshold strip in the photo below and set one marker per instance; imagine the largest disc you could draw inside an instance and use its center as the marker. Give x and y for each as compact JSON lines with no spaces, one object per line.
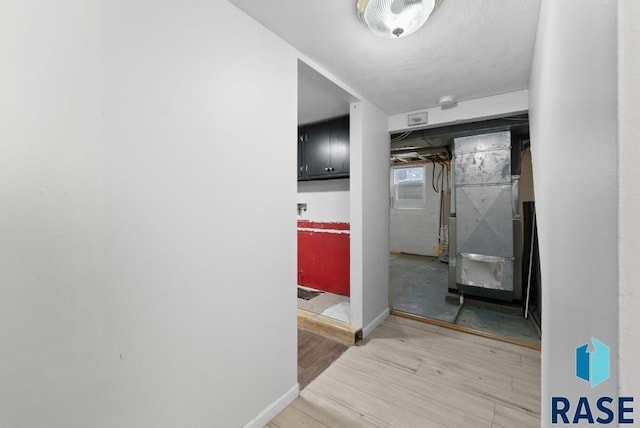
{"x":328,"y":327}
{"x":463,"y":329}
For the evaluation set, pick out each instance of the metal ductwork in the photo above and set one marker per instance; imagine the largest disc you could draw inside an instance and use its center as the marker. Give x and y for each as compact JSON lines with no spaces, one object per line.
{"x":487,"y":221}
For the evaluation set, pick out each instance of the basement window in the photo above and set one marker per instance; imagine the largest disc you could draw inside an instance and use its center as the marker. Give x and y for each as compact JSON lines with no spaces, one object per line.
{"x":408,"y":187}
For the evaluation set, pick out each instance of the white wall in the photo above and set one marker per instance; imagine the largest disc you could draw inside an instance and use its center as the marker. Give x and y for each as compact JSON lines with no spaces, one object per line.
{"x":369,"y":215}
{"x":327,"y":200}
{"x":52,"y":324}
{"x":148,"y":241}
{"x":628,"y":196}
{"x":415,"y":230}
{"x":466,"y":111}
{"x":573,"y":133}
{"x":201,"y":107}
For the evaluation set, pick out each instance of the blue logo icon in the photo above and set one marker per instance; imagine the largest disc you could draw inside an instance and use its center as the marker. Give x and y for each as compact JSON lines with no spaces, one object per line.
{"x":592,"y":365}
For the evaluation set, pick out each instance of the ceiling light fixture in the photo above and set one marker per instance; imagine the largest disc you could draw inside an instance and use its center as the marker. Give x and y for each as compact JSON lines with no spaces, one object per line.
{"x":395,"y":18}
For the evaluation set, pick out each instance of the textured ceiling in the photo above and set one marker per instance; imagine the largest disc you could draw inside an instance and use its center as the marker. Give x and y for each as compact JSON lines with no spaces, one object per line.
{"x":468,"y":48}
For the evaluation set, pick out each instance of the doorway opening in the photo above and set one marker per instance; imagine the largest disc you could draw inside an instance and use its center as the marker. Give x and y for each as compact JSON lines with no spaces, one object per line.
{"x":462,"y":229}
{"x":323,"y":209}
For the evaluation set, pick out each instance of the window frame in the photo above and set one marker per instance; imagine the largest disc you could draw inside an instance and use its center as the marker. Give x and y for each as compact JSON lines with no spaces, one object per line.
{"x":407,"y":204}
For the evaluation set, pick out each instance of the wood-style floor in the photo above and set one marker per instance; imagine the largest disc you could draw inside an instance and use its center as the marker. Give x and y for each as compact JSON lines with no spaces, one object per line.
{"x":412,"y":374}
{"x":315,"y":354}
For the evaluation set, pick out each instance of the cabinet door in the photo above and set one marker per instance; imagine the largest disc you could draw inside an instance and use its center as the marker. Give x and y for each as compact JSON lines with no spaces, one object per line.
{"x":339,"y":151}
{"x":300,"y":157}
{"x":317,"y":143}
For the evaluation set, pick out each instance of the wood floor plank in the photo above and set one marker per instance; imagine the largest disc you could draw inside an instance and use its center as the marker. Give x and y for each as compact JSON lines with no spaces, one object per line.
{"x":513,"y":359}
{"x":402,"y":333}
{"x":508,"y":416}
{"x":445,"y":413}
{"x":476,"y":352}
{"x":530,"y":360}
{"x":411,"y":374}
{"x":436,"y":361}
{"x":365,"y":403}
{"x":307,"y":344}
{"x":331,"y":413}
{"x":474,"y":348}
{"x":292,"y":417}
{"x":475,"y":373}
{"x":315,"y":354}
{"x":451,"y":372}
{"x":508,"y":365}
{"x":437,"y":393}
{"x":466,"y":337}
{"x":498,"y":394}
{"x":391,"y":353}
{"x":414,"y":337}
{"x":530,"y":386}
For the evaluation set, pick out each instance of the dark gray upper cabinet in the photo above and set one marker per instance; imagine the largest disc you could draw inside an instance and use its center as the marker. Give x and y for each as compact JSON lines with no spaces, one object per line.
{"x":323,"y":150}
{"x":339,"y":152}
{"x":300,"y":162}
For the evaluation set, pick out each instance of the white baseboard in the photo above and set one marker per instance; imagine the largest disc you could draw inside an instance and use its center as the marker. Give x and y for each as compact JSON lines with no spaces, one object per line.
{"x":274,"y":408}
{"x":366,"y":331}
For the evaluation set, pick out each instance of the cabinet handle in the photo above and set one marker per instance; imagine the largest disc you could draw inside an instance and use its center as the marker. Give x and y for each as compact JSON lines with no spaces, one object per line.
{"x":301,"y":138}
{"x":326,"y":169}
{"x":306,"y":137}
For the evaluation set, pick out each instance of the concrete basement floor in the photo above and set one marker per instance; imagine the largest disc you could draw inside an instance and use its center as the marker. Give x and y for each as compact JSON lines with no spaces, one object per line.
{"x":419,"y":284}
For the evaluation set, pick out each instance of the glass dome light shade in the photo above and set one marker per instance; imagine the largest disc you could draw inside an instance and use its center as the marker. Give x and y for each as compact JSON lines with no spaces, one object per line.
{"x":395,"y":18}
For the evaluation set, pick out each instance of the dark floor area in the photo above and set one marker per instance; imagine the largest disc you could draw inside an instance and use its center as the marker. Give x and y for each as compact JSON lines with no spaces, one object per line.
{"x":500,"y":319}
{"x":419,"y":285}
{"x":315,"y":354}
